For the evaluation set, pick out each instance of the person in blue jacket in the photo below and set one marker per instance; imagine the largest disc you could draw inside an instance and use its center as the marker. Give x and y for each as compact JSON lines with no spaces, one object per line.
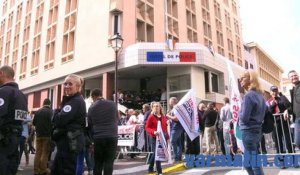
{"x":251,"y":116}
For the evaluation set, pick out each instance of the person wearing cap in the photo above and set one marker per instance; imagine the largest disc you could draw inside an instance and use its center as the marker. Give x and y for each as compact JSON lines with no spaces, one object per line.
{"x":278,"y":103}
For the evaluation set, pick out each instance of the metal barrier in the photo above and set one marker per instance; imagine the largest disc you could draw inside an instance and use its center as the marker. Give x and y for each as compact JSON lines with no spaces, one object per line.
{"x":133,"y":139}
{"x":136,"y":141}
{"x":280,"y":140}
{"x":277,"y":141}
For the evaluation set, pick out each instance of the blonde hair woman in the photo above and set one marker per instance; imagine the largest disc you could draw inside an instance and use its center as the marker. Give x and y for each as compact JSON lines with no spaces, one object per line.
{"x":69,"y":122}
{"x":251,"y":81}
{"x":251,"y":116}
{"x":151,"y":128}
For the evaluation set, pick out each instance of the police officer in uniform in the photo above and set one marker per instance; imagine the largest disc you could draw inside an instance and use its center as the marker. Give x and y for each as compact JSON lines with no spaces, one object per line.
{"x":13,"y":110}
{"x":69,"y":123}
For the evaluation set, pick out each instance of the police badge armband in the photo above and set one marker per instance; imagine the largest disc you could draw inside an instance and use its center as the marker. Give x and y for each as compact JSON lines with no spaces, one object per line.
{"x":20,"y":114}
{"x":2,"y":101}
{"x":67,"y":108}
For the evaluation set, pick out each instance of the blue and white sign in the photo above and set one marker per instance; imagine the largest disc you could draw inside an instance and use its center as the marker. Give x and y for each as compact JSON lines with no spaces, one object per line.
{"x":155,"y":57}
{"x":168,"y":57}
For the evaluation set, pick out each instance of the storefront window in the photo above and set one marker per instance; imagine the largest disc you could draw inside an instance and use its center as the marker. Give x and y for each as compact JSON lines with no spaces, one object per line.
{"x":215,"y":82}
{"x":212,"y":80}
{"x":178,"y":83}
{"x":206,"y":81}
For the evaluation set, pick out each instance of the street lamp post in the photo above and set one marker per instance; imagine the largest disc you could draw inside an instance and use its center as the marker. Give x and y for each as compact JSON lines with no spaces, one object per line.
{"x":116,"y":43}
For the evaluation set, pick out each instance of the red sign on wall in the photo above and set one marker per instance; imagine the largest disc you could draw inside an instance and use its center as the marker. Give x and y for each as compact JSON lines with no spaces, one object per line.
{"x":187,"y":56}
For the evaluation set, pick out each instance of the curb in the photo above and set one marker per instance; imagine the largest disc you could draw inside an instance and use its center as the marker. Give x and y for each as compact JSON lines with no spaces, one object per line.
{"x":172,"y":169}
{"x":175,"y":168}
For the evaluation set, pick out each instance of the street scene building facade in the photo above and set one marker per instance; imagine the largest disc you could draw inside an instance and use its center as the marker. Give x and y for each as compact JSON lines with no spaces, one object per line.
{"x":267,"y":68}
{"x":45,"y":40}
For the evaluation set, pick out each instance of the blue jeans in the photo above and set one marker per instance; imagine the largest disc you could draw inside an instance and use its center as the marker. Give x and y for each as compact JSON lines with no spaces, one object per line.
{"x":227,"y":143}
{"x":152,"y":158}
{"x":251,"y":139}
{"x":89,"y":158}
{"x":297,"y":131}
{"x":176,"y":143}
{"x":80,"y":162}
{"x":21,"y":147}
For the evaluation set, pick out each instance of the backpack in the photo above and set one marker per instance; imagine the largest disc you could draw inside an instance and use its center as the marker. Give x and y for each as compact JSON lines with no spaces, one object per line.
{"x":268,"y":122}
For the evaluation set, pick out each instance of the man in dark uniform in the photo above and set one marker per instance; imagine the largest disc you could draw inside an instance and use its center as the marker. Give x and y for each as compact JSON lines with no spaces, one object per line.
{"x":13,"y":110}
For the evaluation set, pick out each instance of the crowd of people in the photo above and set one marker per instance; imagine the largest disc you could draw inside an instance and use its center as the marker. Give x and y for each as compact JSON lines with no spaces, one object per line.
{"x":135,"y":100}
{"x":75,"y":133}
{"x":217,"y":127}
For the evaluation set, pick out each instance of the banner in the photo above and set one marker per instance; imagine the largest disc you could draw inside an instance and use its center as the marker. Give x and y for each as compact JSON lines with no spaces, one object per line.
{"x":126,"y":135}
{"x":141,"y":138}
{"x":122,"y":108}
{"x":161,"y":147}
{"x":187,"y":114}
{"x":235,"y":105}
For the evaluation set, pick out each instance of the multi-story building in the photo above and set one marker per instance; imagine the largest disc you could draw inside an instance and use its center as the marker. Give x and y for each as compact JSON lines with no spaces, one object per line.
{"x":250,"y":60}
{"x":267,"y":68}
{"x":45,"y":40}
{"x":214,"y":23}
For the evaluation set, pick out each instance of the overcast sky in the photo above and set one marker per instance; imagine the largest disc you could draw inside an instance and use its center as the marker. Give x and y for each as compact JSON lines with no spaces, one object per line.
{"x":275,"y":26}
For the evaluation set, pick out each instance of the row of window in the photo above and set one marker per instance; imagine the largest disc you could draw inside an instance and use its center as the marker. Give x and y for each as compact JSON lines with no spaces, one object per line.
{"x":182,"y":83}
{"x":179,"y":85}
{"x":68,"y":35}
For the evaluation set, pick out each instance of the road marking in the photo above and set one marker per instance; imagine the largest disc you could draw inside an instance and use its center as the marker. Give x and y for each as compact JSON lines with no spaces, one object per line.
{"x":131,"y":170}
{"x":192,"y":171}
{"x":237,"y":172}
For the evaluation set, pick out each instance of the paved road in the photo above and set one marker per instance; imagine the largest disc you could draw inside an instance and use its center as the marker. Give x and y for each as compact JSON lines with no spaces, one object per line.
{"x":228,"y":171}
{"x":137,"y":166}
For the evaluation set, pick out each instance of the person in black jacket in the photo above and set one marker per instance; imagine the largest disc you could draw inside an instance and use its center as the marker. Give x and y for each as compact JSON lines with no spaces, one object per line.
{"x":103,"y":122}
{"x":277,"y":105}
{"x":210,"y":117}
{"x":43,"y":126}
{"x":295,"y":107}
{"x":69,"y":123}
{"x":13,"y":110}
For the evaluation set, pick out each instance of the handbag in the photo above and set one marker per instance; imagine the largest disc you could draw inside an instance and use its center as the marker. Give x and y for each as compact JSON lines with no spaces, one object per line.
{"x":268,"y":122}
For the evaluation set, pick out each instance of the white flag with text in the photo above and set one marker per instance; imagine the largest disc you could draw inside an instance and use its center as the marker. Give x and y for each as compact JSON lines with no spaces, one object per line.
{"x":161,"y":147}
{"x":235,"y":105}
{"x":187,"y":114}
